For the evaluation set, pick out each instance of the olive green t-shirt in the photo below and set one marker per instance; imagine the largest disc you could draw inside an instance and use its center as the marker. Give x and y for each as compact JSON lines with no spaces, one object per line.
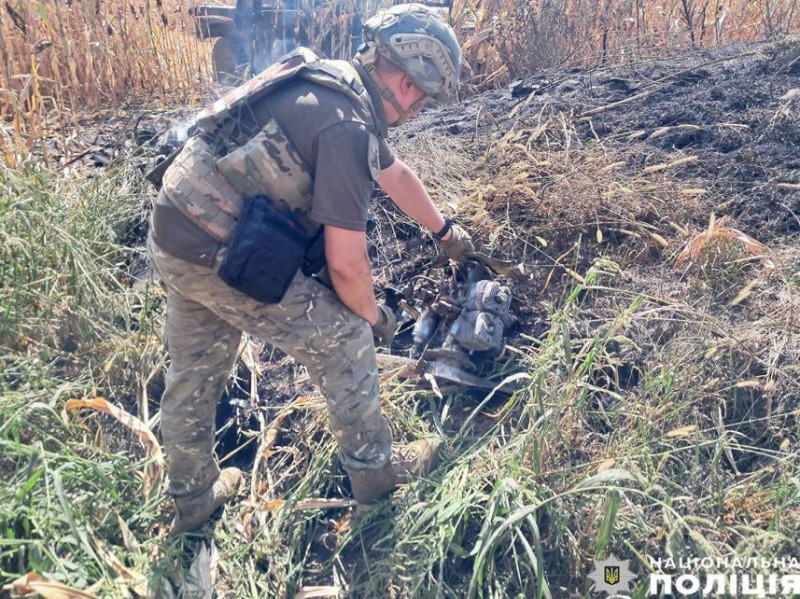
{"x":322,"y":124}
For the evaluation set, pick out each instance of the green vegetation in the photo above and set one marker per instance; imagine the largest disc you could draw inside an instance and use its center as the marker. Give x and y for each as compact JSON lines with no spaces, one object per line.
{"x":655,"y":431}
{"x":658,"y":350}
{"x":70,"y":328}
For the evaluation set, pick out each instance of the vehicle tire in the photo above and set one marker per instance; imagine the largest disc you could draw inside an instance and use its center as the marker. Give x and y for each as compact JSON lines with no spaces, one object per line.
{"x":231,"y":60}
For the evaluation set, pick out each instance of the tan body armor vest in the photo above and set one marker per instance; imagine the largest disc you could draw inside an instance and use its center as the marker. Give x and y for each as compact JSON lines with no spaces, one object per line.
{"x":233,"y":158}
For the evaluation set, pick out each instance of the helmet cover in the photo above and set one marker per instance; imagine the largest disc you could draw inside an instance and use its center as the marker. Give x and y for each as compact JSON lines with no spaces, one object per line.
{"x":419,"y":42}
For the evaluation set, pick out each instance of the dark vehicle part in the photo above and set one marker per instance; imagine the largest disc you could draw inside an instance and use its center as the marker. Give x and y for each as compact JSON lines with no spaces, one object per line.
{"x":231,"y":60}
{"x":214,"y":21}
{"x":259,"y":32}
{"x":255,"y":33}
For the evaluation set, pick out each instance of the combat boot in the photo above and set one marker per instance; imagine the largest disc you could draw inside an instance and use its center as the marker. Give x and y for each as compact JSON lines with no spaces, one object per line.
{"x":408,"y":462}
{"x":192,"y":512}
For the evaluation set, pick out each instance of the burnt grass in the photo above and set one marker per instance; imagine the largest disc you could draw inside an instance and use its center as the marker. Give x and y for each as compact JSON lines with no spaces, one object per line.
{"x":730,"y":110}
{"x":731,"y":114}
{"x":733,"y":111}
{"x":747,"y":138}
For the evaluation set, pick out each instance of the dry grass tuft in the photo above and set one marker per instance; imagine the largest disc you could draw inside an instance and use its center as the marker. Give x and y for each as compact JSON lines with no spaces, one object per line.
{"x":709,"y":248}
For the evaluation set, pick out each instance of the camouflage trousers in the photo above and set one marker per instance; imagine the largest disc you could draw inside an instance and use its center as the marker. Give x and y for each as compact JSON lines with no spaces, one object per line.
{"x":205,"y":321}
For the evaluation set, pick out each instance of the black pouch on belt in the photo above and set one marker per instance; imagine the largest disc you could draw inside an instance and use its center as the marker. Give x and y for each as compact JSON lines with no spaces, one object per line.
{"x":267,"y":248}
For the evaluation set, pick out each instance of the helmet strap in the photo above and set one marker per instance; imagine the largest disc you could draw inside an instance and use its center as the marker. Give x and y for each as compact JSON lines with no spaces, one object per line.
{"x":368,"y":57}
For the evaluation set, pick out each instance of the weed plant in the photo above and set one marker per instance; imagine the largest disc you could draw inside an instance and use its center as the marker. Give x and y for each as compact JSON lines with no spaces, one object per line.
{"x":70,"y":327}
{"x":658,"y":417}
{"x":651,"y":432}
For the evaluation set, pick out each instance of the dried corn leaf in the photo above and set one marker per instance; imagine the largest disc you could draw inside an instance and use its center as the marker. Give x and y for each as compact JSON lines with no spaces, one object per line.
{"x":114,"y":564}
{"x":154,"y":470}
{"x":202,"y":575}
{"x":33,"y":583}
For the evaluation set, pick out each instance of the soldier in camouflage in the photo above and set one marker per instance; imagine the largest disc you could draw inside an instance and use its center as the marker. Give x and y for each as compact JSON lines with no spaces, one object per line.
{"x":309,"y":135}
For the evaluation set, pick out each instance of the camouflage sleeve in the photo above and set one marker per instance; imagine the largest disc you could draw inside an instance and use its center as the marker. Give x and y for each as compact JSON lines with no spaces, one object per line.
{"x":346,"y":158}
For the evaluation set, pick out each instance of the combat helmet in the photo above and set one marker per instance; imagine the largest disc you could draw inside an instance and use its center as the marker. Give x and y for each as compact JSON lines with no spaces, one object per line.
{"x":419,"y":42}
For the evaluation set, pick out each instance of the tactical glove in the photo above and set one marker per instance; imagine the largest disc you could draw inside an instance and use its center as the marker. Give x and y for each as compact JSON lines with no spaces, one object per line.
{"x":458,"y":246}
{"x":383,"y":330}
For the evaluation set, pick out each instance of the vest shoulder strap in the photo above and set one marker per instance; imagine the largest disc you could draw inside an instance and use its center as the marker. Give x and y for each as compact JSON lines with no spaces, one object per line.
{"x":302,"y":62}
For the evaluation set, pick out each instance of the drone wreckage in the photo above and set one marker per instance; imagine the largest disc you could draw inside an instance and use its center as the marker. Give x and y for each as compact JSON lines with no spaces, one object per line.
{"x":459,"y":326}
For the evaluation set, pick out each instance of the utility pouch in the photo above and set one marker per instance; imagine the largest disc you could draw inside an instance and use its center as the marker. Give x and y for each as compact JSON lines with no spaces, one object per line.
{"x":266,"y":250}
